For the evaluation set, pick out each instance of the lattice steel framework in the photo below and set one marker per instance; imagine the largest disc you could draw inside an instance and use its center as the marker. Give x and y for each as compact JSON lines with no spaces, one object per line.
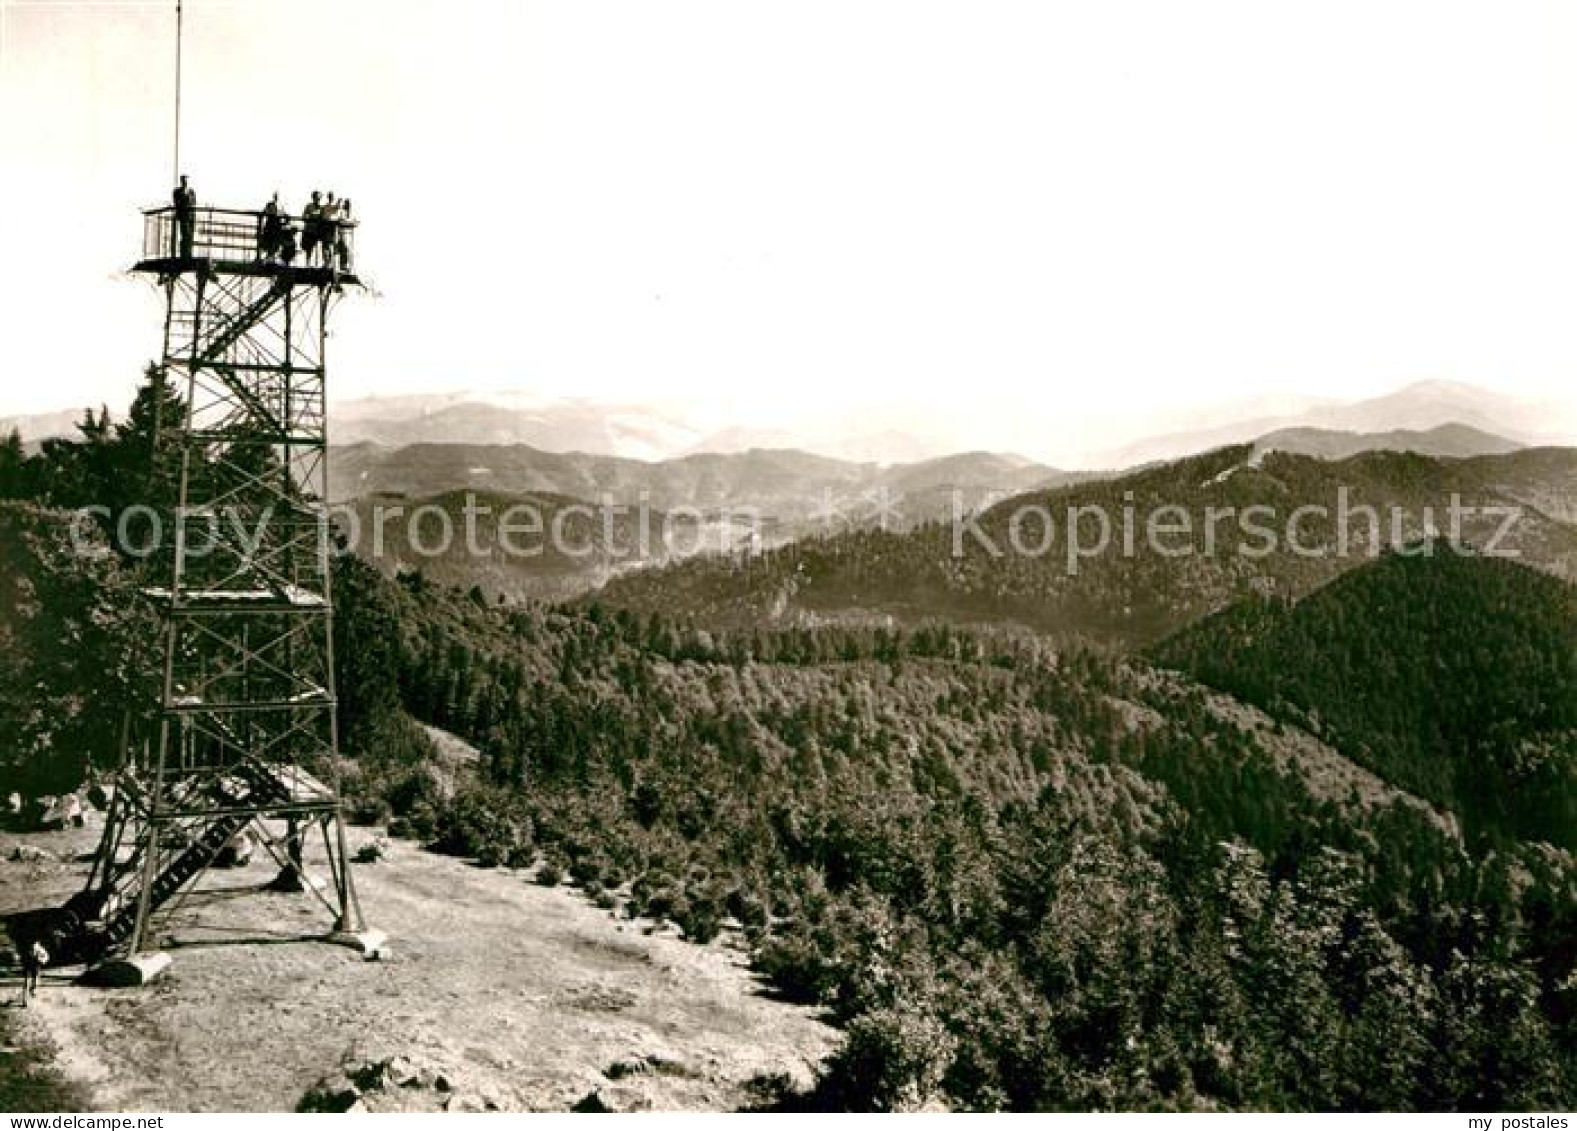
{"x":244,"y":734}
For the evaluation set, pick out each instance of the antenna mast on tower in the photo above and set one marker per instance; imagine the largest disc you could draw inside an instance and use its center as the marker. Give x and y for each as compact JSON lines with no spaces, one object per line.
{"x":175,"y":173}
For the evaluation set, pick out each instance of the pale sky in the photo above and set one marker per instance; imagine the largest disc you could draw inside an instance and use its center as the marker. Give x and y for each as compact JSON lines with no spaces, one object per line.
{"x":1021,"y":219}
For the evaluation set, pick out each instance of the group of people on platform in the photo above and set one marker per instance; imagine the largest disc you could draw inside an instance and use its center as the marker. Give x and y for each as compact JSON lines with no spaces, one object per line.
{"x":322,"y":239}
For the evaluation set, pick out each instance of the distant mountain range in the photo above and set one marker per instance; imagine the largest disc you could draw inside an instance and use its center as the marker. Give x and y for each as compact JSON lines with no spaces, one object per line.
{"x":706,"y":504}
{"x":1125,"y":598}
{"x":736,"y":492}
{"x":870,"y":538}
{"x":1452,"y":441}
{"x":1480,"y":422}
{"x":795,"y":492}
{"x":560,"y":425}
{"x":632,"y":431}
{"x":40,"y":426}
{"x":1410,"y":419}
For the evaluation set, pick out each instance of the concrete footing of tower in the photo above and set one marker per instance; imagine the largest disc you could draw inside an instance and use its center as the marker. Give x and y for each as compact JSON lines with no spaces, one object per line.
{"x":131,"y":970}
{"x":141,"y":969}
{"x":369,"y":943}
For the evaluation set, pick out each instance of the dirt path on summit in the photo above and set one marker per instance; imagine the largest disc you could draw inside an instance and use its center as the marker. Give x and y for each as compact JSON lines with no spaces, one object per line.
{"x":496,"y":993}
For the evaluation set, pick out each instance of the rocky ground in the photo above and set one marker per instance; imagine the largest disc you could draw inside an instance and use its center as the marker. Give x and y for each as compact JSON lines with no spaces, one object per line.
{"x":495,"y":993}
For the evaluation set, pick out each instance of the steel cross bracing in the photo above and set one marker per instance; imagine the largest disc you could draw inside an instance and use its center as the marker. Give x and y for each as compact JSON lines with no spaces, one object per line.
{"x":244,"y":733}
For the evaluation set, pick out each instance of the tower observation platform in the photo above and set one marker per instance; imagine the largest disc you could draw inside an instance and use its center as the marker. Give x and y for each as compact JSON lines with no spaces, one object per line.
{"x":242,"y":742}
{"x":227,"y":241}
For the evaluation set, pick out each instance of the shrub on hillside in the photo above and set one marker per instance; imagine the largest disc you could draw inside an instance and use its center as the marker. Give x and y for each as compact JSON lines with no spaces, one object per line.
{"x":550,"y":875}
{"x":400,"y":828}
{"x":421,"y":825}
{"x":368,"y":811}
{"x":747,"y":906}
{"x":413,"y":789}
{"x":586,"y":870}
{"x":423,"y":820}
{"x":796,"y":966}
{"x":892,"y":1059}
{"x":479,"y":821}
{"x":700,"y":915}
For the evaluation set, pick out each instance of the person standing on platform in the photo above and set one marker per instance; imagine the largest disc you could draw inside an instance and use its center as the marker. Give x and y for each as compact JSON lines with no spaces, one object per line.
{"x":185,"y":217}
{"x":342,"y":236}
{"x":329,"y":233}
{"x":270,"y":229}
{"x":311,"y":226}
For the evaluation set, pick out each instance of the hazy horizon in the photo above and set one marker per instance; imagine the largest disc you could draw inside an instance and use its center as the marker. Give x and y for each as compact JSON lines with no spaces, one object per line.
{"x":673,"y":427}
{"x":1050,"y":229}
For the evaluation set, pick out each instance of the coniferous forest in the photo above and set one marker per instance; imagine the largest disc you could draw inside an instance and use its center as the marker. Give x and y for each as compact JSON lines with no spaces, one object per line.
{"x":1309,"y":854}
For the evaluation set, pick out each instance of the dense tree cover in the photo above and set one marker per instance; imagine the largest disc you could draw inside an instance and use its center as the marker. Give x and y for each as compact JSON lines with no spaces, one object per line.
{"x":1450,"y":674}
{"x":376,"y":734}
{"x":1019,"y":878}
{"x":69,"y":661}
{"x":975,"y":572}
{"x":553,"y":547}
{"x":13,"y":466}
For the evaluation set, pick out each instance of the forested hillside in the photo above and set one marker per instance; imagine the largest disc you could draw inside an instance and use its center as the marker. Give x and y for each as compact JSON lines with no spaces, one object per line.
{"x":1450,"y":674}
{"x":1121,"y":597}
{"x":1020,"y":874}
{"x":1019,"y":878}
{"x":1544,"y":478}
{"x":510,"y":546}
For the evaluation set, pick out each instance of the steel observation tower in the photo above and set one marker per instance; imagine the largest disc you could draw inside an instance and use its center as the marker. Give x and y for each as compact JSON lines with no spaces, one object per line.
{"x":242,"y":743}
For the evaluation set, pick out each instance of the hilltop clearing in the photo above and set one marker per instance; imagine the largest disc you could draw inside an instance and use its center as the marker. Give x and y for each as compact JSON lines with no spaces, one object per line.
{"x":520,"y":996}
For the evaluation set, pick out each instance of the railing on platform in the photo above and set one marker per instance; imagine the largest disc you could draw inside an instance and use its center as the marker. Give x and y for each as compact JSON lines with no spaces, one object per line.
{"x":230,"y":235}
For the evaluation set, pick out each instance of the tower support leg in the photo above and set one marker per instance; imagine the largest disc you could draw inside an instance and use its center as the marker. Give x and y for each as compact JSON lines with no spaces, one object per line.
{"x":293,"y":873}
